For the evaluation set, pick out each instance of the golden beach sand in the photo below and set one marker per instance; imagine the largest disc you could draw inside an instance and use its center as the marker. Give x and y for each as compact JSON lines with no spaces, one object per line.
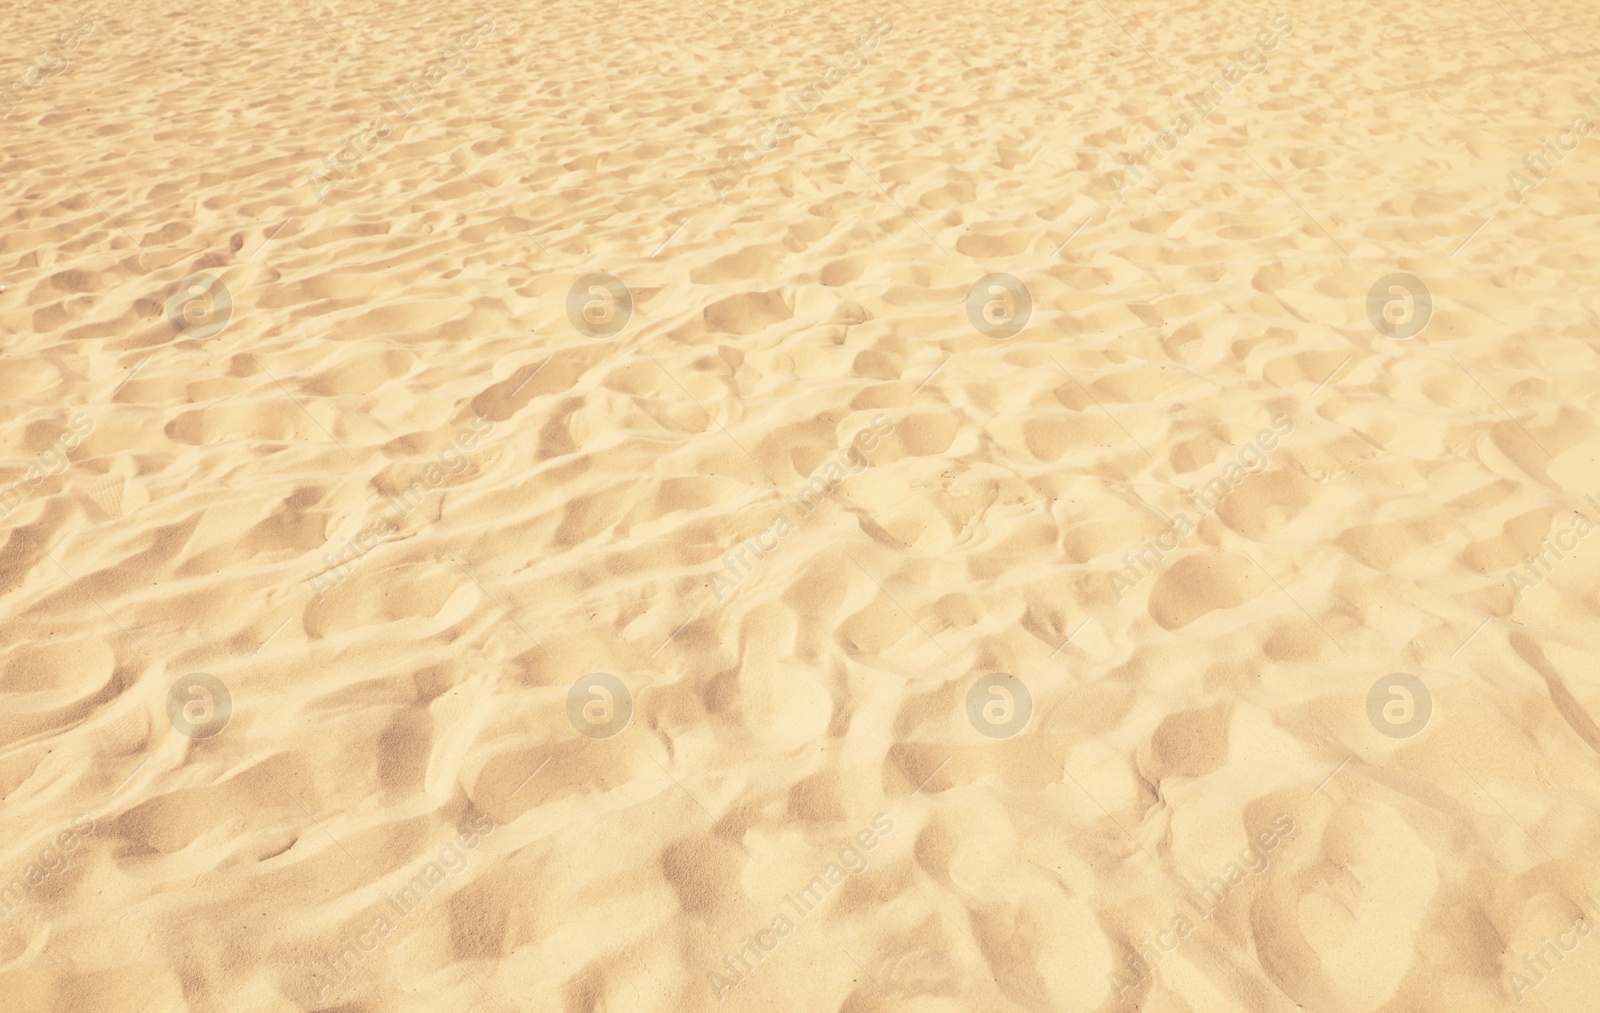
{"x":937,"y":508}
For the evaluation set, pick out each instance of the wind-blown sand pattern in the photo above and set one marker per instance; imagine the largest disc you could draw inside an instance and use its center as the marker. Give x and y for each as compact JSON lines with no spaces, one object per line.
{"x":699,"y":506}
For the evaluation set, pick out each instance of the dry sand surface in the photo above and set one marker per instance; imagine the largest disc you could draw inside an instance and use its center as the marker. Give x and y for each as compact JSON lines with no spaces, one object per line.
{"x":689,"y":506}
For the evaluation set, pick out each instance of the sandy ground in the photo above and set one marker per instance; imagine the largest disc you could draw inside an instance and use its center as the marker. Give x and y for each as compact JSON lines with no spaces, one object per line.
{"x":780,"y":506}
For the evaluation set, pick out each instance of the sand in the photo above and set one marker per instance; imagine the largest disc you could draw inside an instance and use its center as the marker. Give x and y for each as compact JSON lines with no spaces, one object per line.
{"x":700,"y":506}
